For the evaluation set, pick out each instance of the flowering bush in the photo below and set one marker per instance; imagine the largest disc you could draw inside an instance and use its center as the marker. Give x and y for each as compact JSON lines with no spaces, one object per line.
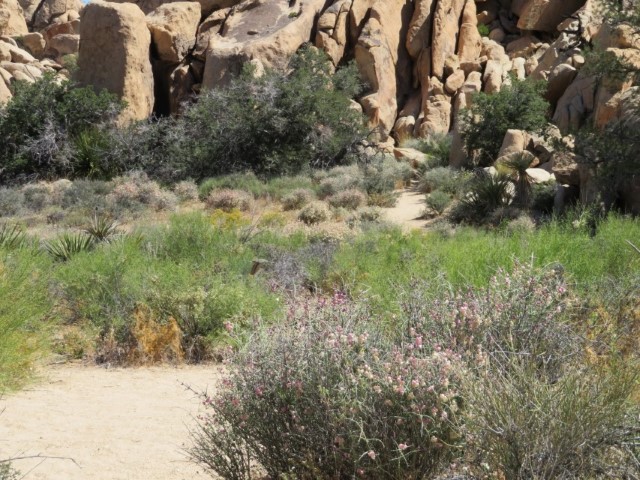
{"x":186,"y":191}
{"x":315,"y":212}
{"x":327,"y":396}
{"x":135,"y":190}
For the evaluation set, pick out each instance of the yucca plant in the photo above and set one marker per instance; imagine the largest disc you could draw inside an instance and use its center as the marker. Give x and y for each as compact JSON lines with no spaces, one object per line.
{"x":12,"y":237}
{"x":102,"y":228}
{"x":487,"y":193}
{"x":68,"y":245}
{"x":515,"y":166}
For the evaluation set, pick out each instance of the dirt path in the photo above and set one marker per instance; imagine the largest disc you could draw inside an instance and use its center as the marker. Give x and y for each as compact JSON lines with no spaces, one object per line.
{"x":116,"y":424}
{"x":407,"y":211}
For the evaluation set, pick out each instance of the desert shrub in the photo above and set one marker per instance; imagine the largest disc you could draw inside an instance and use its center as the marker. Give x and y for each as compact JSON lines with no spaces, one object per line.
{"x":281,"y":122}
{"x":338,"y":179}
{"x":297,"y":199}
{"x":436,"y":149}
{"x":135,"y":192}
{"x":543,"y":196}
{"x":315,"y":212}
{"x":273,"y":219}
{"x":384,"y":174}
{"x":228,"y":200}
{"x":520,"y":105}
{"x":522,"y":224}
{"x":86,"y":196}
{"x":246,"y":181}
{"x":440,"y":178}
{"x":369,"y":214}
{"x":382,"y":200}
{"x":348,"y":199}
{"x":101,"y":228}
{"x":11,"y":201}
{"x":281,"y":186}
{"x":484,"y":30}
{"x":186,"y":191}
{"x":438,"y":201}
{"x":7,"y":472}
{"x":487,"y":193}
{"x":36,"y":195}
{"x":38,"y":124}
{"x":345,"y":403}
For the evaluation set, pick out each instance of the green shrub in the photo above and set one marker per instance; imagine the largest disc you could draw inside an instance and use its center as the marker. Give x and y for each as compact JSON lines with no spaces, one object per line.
{"x":383,"y":200}
{"x":40,"y":123}
{"x":228,"y":200}
{"x":345,"y":403}
{"x":385,"y":174}
{"x":543,"y":196}
{"x":483,"y":30}
{"x":348,"y":199}
{"x":438,"y":201}
{"x":36,"y":195}
{"x":440,"y":178}
{"x":23,"y":288}
{"x":436,"y":149}
{"x":315,"y":212}
{"x":7,"y":472}
{"x":281,"y":122}
{"x":520,"y":105}
{"x":297,"y":199}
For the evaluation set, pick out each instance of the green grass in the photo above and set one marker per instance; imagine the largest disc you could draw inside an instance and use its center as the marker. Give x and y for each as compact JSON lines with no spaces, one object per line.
{"x":198,"y":272}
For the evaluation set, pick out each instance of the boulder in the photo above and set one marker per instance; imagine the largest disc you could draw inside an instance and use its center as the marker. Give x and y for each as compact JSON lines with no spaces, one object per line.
{"x":22,"y":71}
{"x":618,"y":105}
{"x":332,"y":36}
{"x":469,"y":40}
{"x":515,"y":141}
{"x":545,"y":15}
{"x":559,"y":80}
{"x":358,"y":15}
{"x":207,"y":6}
{"x":420,"y":28}
{"x":575,"y":104}
{"x":5,"y":52}
{"x":410,"y":155}
{"x":18,"y":55}
{"x":454,"y":82}
{"x":173,"y":29}
{"x":50,"y":9}
{"x":12,"y":20}
{"x":269,"y":31}
{"x":518,"y":68}
{"x":404,"y":127}
{"x":492,"y":77}
{"x":384,"y":62}
{"x":65,"y":28}
{"x":5,"y":93}
{"x":212,"y":25}
{"x":181,"y":88}
{"x":29,"y":8}
{"x":538,"y":175}
{"x":446,"y":20}
{"x":565,"y":168}
{"x":35,"y":43}
{"x":65,"y":44}
{"x":522,"y":47}
{"x":114,"y":55}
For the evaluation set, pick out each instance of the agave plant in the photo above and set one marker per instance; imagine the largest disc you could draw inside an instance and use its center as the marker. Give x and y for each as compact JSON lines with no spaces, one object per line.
{"x":102,"y":229}
{"x":12,"y":237}
{"x":69,"y":244}
{"x":487,"y":193}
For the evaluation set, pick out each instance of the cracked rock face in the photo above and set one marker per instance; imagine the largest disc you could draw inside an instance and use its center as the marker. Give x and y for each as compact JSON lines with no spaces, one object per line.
{"x":12,"y":20}
{"x":264,"y":31}
{"x":173,"y":29}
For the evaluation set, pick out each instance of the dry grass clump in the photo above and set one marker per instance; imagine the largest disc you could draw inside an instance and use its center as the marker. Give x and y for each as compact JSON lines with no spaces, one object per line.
{"x":135,"y":191}
{"x":314,"y":212}
{"x":228,"y":199}
{"x":186,"y":191}
{"x":36,"y":196}
{"x":349,"y":199}
{"x":297,"y":199}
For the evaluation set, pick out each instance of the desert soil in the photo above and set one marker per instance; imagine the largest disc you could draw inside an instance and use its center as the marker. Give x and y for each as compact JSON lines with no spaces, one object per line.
{"x":105,"y":424}
{"x":408,"y":210}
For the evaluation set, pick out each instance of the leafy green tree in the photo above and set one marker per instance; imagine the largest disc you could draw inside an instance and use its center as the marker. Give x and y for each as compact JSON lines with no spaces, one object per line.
{"x":518,"y":106}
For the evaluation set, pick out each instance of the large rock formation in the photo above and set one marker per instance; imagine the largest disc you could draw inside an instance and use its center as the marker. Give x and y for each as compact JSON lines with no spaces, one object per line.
{"x":114,"y":55}
{"x":173,"y":29}
{"x":12,"y":20}
{"x":265,"y":31}
{"x":384,"y":62}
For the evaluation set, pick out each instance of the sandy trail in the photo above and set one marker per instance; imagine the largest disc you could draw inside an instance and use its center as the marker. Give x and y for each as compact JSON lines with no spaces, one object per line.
{"x":116,"y":424}
{"x":408,"y":210}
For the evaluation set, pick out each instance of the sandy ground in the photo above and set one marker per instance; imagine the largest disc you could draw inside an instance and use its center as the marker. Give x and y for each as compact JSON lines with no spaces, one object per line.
{"x":116,"y":424}
{"x":409,"y":207}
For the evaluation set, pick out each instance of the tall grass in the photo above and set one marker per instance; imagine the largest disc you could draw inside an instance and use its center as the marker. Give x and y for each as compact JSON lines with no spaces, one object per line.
{"x":23,"y":307}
